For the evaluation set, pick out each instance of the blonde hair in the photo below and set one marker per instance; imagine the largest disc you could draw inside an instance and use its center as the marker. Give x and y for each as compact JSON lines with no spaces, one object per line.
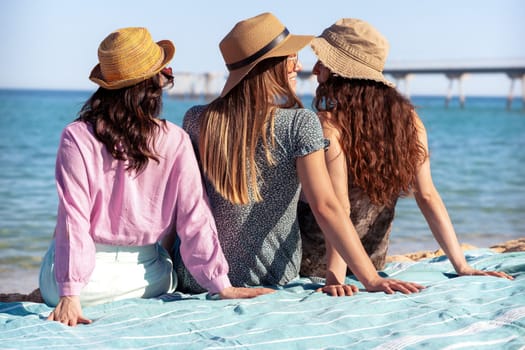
{"x":232,"y":127}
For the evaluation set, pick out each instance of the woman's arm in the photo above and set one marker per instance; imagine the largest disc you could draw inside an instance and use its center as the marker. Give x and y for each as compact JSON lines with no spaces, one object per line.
{"x":74,"y":247}
{"x":338,"y":228}
{"x":337,"y":170}
{"x":433,"y":209}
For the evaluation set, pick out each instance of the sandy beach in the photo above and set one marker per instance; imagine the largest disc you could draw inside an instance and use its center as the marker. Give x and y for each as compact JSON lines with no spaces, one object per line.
{"x":516,"y":245}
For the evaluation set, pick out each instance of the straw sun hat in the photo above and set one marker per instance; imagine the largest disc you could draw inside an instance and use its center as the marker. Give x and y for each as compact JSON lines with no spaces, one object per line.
{"x":353,"y":49}
{"x":129,"y":56}
{"x":253,"y":40}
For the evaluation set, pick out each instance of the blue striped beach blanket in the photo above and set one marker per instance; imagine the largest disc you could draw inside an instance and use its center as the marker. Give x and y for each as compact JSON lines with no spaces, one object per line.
{"x":451,"y":313}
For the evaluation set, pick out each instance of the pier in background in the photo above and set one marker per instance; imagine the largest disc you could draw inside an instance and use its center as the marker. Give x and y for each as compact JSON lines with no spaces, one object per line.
{"x":457,"y":74}
{"x":208,"y":85}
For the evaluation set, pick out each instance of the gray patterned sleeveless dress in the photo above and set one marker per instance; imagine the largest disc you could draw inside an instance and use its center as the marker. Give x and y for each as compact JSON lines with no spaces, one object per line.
{"x":261,"y":241}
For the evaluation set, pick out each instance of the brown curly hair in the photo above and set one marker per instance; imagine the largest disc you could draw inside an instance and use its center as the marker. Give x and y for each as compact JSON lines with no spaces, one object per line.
{"x":379,"y":136}
{"x":124,"y":120}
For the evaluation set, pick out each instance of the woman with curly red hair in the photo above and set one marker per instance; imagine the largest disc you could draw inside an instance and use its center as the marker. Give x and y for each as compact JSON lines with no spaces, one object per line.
{"x":378,"y":151}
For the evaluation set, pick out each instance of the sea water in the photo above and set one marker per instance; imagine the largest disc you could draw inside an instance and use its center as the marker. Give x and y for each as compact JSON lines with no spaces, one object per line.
{"x":477,"y":160}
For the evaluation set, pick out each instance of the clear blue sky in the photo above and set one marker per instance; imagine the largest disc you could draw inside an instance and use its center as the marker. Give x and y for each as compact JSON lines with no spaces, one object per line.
{"x":53,"y":43}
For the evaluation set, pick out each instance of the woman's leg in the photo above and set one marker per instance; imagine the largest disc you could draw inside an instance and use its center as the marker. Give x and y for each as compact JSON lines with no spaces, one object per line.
{"x":119,"y":273}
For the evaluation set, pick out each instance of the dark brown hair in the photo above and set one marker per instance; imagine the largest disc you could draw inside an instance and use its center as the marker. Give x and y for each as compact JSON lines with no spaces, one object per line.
{"x":378,"y":135}
{"x":124,"y":120}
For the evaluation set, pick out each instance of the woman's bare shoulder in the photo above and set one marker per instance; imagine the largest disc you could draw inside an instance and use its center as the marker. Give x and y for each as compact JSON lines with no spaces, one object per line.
{"x":330,"y":129}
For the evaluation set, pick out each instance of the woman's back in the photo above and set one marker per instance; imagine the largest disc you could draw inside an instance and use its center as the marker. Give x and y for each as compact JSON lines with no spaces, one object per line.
{"x":261,"y":240}
{"x":112,"y":192}
{"x":372,"y":222}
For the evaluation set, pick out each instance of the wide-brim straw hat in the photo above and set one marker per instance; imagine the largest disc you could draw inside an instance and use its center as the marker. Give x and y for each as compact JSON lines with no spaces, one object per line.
{"x":354,"y":49}
{"x":253,"y":40}
{"x":128,"y":56}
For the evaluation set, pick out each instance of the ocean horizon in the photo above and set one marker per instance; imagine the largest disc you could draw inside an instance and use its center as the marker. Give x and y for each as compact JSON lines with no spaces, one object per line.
{"x":477,"y":163}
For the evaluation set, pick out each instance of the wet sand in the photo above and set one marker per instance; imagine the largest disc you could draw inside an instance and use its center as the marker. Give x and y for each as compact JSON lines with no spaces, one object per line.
{"x":516,"y":245}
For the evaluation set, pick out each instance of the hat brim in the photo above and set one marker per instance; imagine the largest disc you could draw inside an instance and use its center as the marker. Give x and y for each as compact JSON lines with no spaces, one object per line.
{"x":289,"y":46}
{"x":97,"y":77}
{"x":338,"y":62}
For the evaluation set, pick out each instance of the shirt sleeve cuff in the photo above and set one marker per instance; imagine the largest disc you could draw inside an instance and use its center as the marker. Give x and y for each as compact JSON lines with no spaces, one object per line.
{"x":70,"y":288}
{"x":219,"y":283}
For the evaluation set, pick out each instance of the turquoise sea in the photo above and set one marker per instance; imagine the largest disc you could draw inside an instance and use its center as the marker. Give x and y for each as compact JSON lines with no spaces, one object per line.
{"x":477,"y":157}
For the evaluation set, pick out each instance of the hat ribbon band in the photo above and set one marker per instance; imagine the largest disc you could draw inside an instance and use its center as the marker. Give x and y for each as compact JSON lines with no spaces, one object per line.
{"x":250,"y":59}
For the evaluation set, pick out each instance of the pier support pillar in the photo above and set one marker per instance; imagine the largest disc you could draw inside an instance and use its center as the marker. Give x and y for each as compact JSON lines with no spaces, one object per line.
{"x":405,"y":78}
{"x":513,"y":78}
{"x":459,"y":77}
{"x":208,"y":77}
{"x":511,"y":94}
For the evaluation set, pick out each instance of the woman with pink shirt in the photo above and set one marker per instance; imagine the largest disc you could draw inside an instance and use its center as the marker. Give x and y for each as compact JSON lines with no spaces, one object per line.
{"x":126,"y":181}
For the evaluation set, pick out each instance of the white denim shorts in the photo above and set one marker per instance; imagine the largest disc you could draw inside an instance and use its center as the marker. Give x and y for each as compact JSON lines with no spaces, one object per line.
{"x":120,"y":272}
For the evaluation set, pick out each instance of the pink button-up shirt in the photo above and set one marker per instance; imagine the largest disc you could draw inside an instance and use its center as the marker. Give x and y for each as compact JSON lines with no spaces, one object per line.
{"x":101,"y":202}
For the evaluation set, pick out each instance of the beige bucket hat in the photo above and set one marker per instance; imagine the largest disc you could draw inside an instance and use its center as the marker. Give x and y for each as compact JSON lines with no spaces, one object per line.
{"x":253,"y":40}
{"x":129,"y":56}
{"x":353,"y":49}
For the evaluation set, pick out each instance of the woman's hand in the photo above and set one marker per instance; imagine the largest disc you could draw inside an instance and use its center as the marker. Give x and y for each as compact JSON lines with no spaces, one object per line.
{"x":469,"y":271}
{"x":68,"y":311}
{"x":243,"y":293}
{"x":339,"y":290}
{"x":390,"y":286}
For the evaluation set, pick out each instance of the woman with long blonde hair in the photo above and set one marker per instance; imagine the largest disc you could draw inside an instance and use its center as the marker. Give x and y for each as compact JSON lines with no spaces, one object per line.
{"x":258,"y":147}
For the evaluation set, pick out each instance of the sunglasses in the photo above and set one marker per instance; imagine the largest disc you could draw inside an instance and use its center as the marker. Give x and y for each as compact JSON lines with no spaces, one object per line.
{"x":293,"y":59}
{"x":167,"y":72}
